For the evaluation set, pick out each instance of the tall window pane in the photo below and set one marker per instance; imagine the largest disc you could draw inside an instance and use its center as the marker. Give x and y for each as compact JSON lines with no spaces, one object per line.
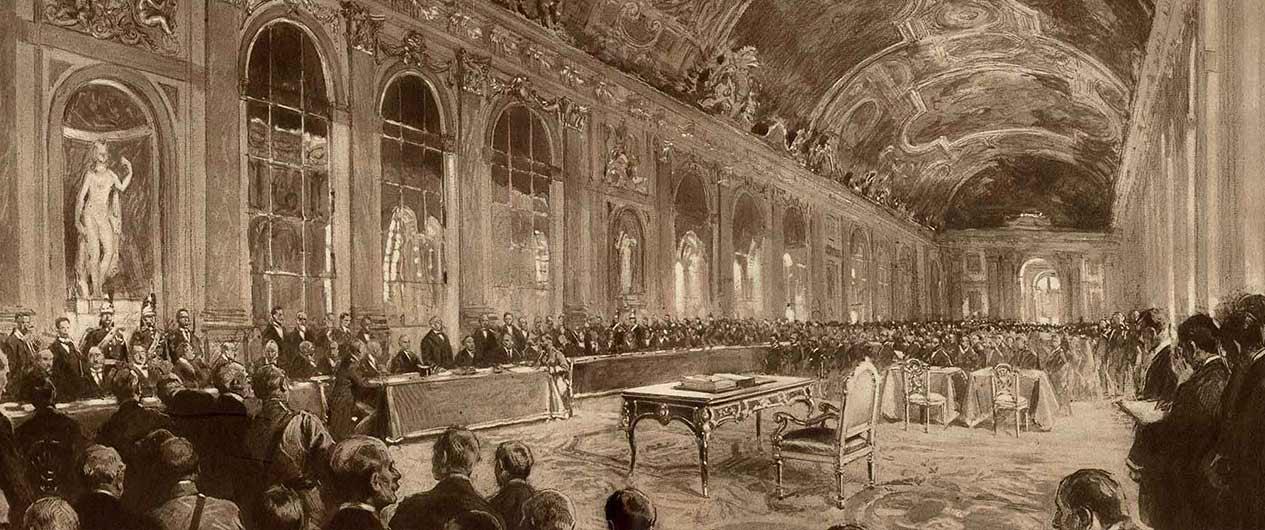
{"x":522,"y":213}
{"x":414,"y":223}
{"x":289,"y":202}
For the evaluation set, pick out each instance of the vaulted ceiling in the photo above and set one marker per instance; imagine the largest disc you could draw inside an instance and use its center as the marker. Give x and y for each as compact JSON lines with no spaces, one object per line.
{"x":971,"y":111}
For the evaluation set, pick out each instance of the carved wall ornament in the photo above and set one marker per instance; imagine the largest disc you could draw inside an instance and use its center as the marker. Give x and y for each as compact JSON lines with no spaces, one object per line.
{"x":664,"y":152}
{"x":461,"y":24}
{"x":473,"y":74}
{"x":574,"y":115}
{"x":544,"y":12}
{"x":412,"y":51}
{"x":622,"y":160}
{"x":503,"y":42}
{"x":147,"y":23}
{"x":521,"y":87}
{"x":572,"y":75}
{"x":538,"y":57}
{"x":363,"y":27}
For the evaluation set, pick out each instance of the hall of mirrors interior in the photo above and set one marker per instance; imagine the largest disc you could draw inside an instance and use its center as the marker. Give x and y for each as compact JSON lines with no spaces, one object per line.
{"x":631,"y":264}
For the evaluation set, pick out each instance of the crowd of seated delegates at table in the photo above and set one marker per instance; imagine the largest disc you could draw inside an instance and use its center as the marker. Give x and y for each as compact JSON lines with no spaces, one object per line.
{"x":1084,"y":360}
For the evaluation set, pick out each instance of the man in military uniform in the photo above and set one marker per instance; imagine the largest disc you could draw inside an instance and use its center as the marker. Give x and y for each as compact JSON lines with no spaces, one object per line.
{"x":147,"y":332}
{"x":108,"y":337}
{"x":291,"y":448}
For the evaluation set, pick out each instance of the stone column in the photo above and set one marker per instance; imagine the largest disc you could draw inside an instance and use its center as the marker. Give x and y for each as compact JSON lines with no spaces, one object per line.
{"x":473,"y":182}
{"x":726,"y":298}
{"x":577,"y":253}
{"x":227,"y":308}
{"x":365,"y":190}
{"x":996,"y":300}
{"x":10,"y":187}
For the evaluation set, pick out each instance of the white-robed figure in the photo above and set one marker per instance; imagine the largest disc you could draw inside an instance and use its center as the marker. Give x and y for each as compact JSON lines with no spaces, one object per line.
{"x":552,"y":360}
{"x":99,"y":219}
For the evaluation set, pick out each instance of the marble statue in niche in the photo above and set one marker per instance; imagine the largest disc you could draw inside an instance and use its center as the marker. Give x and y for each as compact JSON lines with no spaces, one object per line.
{"x":627,"y":254}
{"x":99,"y":219}
{"x":108,"y":149}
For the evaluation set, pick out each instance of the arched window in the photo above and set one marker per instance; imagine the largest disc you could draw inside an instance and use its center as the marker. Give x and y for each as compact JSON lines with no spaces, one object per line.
{"x":414,"y":222}
{"x":795,"y":262}
{"x":693,"y":236}
{"x":110,"y":160}
{"x":522,"y":213}
{"x":859,"y":277}
{"x":749,"y":235}
{"x":627,"y":249}
{"x":287,"y":122}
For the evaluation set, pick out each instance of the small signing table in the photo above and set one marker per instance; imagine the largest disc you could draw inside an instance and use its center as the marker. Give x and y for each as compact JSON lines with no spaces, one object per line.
{"x":703,"y":412}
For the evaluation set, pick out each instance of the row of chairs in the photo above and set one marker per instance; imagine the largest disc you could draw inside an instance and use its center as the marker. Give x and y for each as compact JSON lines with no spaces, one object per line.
{"x":856,"y":417}
{"x":916,"y":377}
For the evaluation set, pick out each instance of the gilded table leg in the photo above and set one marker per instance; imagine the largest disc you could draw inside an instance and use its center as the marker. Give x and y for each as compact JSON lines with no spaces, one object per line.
{"x":703,"y":437}
{"x":630,"y":427}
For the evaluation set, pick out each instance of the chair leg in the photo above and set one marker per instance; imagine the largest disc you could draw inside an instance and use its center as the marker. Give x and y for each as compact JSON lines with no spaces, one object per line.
{"x":870,"y":469}
{"x":1017,"y":416}
{"x":995,"y":421}
{"x":906,"y":415}
{"x":944,"y":415}
{"x":926,"y":419}
{"x":777,"y":466}
{"x":839,"y":499}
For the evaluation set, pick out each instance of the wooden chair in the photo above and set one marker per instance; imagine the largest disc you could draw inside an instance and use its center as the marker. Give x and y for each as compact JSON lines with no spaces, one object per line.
{"x":851,"y":439}
{"x":917,"y":379}
{"x":1006,"y":396}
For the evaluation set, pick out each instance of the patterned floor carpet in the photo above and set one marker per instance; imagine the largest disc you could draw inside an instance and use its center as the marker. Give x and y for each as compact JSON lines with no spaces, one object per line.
{"x":947,"y":479}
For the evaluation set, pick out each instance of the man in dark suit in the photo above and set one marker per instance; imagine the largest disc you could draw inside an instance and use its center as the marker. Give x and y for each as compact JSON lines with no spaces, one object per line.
{"x":407,"y":361}
{"x":504,"y":354}
{"x":52,"y":442}
{"x":1167,"y":457}
{"x":1238,"y":468}
{"x":69,"y":365}
{"x":513,"y":464}
{"x":456,"y":453}
{"x":485,"y":338}
{"x":275,"y":331}
{"x":183,"y":507}
{"x":1158,"y":383}
{"x":45,"y":362}
{"x":466,"y":357}
{"x":95,"y":383}
{"x":297,"y":335}
{"x":436,"y":349}
{"x":226,"y":461}
{"x":114,"y":347}
{"x":364,"y":481}
{"x":101,"y":474}
{"x":128,"y":425}
{"x":365,"y":333}
{"x":19,"y":348}
{"x":183,"y":334}
{"x":13,"y":475}
{"x":630,"y":509}
{"x":517,"y":333}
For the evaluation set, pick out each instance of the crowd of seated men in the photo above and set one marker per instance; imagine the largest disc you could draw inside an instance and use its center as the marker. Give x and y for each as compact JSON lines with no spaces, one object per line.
{"x":272,"y":469}
{"x":1084,"y":361}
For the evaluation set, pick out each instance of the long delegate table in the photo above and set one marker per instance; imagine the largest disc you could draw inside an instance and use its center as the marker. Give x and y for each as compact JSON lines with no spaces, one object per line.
{"x":420,"y":406}
{"x":412,"y":406}
{"x":608,"y":374}
{"x":91,"y":414}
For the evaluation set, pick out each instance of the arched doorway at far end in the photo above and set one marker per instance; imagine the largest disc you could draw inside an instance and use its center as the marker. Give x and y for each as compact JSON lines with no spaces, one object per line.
{"x":1042,"y":292}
